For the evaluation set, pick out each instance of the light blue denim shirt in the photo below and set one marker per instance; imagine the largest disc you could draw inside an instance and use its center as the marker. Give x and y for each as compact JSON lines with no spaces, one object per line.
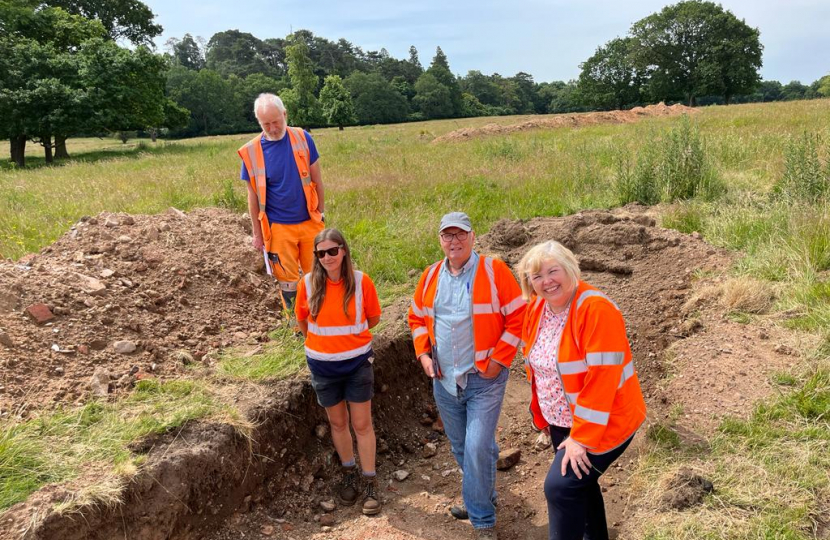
{"x":455,"y":349}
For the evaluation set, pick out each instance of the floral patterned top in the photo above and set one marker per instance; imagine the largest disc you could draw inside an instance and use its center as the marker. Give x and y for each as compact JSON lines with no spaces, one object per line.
{"x":542,"y":359}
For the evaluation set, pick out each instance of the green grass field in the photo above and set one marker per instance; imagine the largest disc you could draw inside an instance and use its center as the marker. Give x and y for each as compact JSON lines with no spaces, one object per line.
{"x":750,"y":178}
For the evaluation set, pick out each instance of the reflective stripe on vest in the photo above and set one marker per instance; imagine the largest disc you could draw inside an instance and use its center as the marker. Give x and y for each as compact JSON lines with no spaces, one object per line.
{"x":334,"y":357}
{"x":491,"y":275}
{"x":259,"y":174}
{"x":627,"y":373}
{"x":516,"y":303}
{"x":355,"y":328}
{"x":588,"y":294}
{"x":605,"y":358}
{"x":590,"y":415}
{"x":299,"y":146}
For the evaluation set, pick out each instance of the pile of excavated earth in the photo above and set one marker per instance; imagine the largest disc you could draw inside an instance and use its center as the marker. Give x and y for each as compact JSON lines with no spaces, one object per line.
{"x":567,"y":120}
{"x":120,"y":298}
{"x":127,"y":297}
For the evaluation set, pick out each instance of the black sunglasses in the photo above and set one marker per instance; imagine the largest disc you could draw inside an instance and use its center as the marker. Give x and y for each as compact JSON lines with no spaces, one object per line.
{"x":320,"y":253}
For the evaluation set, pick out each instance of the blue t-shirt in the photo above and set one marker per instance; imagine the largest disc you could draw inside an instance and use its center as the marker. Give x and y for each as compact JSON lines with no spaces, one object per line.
{"x":284,"y":197}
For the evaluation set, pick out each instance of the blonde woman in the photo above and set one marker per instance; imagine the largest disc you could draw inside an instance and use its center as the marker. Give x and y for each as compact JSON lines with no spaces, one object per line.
{"x":585,"y":391}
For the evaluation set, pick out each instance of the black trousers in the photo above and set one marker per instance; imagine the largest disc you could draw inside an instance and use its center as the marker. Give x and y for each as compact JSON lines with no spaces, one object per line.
{"x":575,"y":507}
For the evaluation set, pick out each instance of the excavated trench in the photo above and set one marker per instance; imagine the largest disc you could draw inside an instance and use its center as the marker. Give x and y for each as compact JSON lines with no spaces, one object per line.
{"x":199,"y":477}
{"x":206,"y":472}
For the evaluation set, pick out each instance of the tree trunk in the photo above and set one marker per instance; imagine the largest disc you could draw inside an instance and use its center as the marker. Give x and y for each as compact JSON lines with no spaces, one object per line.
{"x":340,"y":127}
{"x":18,"y":150}
{"x":47,"y":148}
{"x":154,"y":134}
{"x":691,"y":100}
{"x":60,"y":147}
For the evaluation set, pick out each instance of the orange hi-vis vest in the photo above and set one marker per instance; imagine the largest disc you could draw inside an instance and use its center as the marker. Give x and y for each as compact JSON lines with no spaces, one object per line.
{"x":498,"y":310}
{"x":596,"y":369}
{"x":334,"y":343}
{"x":254,"y":160}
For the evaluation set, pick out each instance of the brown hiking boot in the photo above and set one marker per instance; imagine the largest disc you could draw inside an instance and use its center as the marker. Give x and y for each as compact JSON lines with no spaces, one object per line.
{"x":371,"y":501}
{"x":347,"y":490}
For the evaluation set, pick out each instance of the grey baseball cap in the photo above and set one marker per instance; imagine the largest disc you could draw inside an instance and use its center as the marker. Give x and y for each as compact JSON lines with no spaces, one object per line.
{"x":456,"y":219}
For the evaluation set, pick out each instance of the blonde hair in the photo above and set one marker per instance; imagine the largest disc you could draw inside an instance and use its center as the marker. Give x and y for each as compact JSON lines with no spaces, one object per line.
{"x":550,"y":251}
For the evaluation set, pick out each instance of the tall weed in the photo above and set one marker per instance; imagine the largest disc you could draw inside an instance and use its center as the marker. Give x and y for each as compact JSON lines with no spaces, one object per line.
{"x":804,"y":178}
{"x":674,"y":166}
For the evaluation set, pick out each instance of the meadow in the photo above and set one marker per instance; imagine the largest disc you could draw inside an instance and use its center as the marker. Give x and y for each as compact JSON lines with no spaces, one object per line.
{"x":750,"y":178}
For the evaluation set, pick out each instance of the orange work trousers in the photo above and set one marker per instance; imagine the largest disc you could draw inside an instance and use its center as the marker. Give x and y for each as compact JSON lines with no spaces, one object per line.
{"x":294,"y":245}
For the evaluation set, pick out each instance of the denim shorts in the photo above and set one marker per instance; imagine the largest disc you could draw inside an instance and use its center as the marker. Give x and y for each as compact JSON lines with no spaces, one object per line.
{"x":355,"y":387}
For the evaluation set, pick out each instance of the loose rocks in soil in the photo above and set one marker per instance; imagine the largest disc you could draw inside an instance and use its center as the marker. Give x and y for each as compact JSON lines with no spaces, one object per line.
{"x":121,"y":291}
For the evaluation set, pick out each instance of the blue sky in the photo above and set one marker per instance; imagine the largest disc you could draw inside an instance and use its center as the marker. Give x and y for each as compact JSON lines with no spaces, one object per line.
{"x":547,"y":39}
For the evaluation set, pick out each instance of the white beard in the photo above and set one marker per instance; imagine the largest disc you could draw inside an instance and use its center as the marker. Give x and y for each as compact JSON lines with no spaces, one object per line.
{"x":270,"y":138}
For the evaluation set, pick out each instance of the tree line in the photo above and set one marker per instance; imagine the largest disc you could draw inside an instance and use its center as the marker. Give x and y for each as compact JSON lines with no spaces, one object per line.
{"x":63,"y":73}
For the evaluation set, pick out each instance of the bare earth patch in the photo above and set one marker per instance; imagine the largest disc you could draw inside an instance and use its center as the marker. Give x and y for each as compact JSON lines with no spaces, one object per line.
{"x":567,"y":120}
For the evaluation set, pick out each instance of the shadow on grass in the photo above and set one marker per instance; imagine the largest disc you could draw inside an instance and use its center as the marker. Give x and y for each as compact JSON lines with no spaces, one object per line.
{"x":132,"y":151}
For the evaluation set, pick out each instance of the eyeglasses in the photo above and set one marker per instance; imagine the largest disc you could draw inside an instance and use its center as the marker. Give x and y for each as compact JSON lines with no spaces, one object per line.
{"x":460,"y":235}
{"x":320,"y":253}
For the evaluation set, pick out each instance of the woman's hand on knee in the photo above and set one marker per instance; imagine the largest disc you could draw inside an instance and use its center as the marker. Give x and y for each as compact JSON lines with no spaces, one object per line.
{"x":577,"y":456}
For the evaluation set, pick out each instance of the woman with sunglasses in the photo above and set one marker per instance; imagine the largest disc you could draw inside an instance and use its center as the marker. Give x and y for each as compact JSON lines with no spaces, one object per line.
{"x":336,"y":306}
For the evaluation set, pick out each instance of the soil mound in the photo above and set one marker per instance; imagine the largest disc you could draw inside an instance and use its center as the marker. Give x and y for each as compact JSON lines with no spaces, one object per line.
{"x":567,"y":120}
{"x":131,"y":297}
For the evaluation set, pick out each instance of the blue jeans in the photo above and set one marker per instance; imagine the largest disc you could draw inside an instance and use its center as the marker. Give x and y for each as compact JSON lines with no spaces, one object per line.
{"x":470,"y":419}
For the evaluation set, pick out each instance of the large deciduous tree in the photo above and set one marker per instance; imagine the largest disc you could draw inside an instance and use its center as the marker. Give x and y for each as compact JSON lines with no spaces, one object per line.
{"x":696,"y":48}
{"x":609,"y":79}
{"x":824,"y":86}
{"x":238,"y":53}
{"x":375,"y":100}
{"x":41,"y":92}
{"x":210,"y":99}
{"x":122,"y":19}
{"x":62,"y":73}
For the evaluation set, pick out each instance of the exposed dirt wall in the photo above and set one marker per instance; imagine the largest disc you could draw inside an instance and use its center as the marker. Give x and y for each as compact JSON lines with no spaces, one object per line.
{"x":201,"y":475}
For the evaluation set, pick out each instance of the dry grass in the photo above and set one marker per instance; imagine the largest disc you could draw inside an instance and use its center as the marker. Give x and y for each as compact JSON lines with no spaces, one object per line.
{"x":739,"y":294}
{"x":747,"y":295}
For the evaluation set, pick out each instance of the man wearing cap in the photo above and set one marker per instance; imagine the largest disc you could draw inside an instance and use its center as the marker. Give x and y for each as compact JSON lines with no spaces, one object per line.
{"x":466,"y":319}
